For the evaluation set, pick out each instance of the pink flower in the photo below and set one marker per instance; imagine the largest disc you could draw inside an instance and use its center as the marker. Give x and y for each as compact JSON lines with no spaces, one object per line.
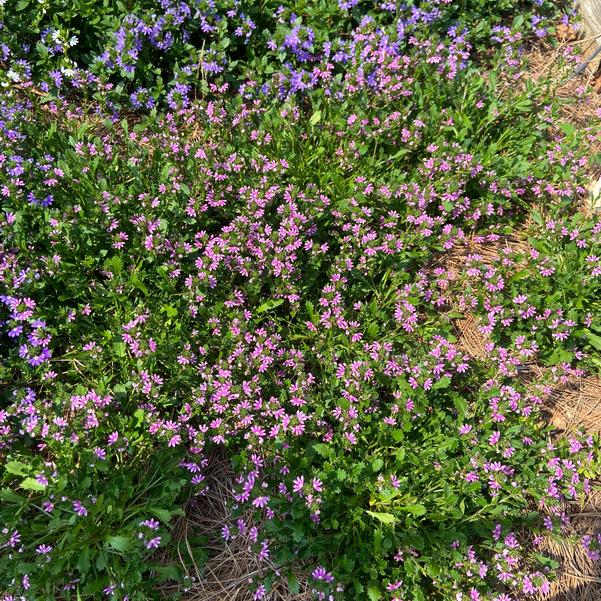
{"x":150,"y":523}
{"x":320,"y":573}
{"x":494,"y":438}
{"x":261,"y":502}
{"x":153,"y":543}
{"x":79,"y":509}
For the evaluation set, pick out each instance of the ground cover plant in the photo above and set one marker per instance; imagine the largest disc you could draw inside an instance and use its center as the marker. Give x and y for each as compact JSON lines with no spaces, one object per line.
{"x":253,"y":266}
{"x":153,"y":51}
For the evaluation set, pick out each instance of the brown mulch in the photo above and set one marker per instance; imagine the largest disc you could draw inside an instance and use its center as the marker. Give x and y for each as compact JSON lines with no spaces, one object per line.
{"x":232,"y":566}
{"x":578,"y":578}
{"x":569,"y":407}
{"x":581,"y":95}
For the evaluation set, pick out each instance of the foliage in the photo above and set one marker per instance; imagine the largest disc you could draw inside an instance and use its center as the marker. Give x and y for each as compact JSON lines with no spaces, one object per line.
{"x":261,"y":276}
{"x":163,"y":50}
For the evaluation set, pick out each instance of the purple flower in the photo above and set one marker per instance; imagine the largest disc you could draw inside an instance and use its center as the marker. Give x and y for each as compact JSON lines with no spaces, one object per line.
{"x":298,"y":484}
{"x":320,"y":573}
{"x":150,"y":523}
{"x":79,"y":509}
{"x":153,"y":543}
{"x":260,"y":502}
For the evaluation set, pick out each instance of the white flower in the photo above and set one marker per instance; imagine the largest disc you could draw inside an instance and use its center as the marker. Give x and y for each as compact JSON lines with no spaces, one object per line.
{"x":13,"y":75}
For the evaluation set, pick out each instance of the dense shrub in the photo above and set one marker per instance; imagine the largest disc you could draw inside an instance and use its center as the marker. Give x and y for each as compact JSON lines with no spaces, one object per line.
{"x":261,"y":276}
{"x":155,"y":50}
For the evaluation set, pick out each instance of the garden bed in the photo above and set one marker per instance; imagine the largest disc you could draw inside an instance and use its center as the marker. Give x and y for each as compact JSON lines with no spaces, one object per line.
{"x":298,"y":302}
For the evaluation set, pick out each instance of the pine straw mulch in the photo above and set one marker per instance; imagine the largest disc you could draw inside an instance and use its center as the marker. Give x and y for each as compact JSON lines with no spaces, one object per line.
{"x":232,"y":566}
{"x":548,"y":63}
{"x":454,"y":261}
{"x":569,"y":407}
{"x":579,"y":578}
{"x":581,"y":93}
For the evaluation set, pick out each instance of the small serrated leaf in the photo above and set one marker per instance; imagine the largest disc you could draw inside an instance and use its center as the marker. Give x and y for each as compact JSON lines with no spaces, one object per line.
{"x":442,"y":383}
{"x":322,"y":449}
{"x":593,"y":339}
{"x":417,"y":509}
{"x":376,"y":465}
{"x":461,"y":406}
{"x":162,"y":514}
{"x":10,"y":496}
{"x":269,"y":305}
{"x":293,"y":584}
{"x":373,"y":592}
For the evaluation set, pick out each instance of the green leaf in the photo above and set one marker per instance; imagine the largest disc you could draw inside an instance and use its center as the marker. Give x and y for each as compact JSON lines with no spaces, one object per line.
{"x":293,"y":584}
{"x":115,"y":264}
{"x":310,"y":310}
{"x":417,"y":509}
{"x":418,"y":594}
{"x":385,"y":518}
{"x":461,"y":406}
{"x":560,"y":355}
{"x":536,"y":217}
{"x":298,"y":533}
{"x":83,"y":563}
{"x":170,"y":572}
{"x":31,"y":484}
{"x":269,"y":305}
{"x":120,"y":349}
{"x":169,"y":310}
{"x":567,"y":128}
{"x":315,"y":118}
{"x":120,"y":543}
{"x":376,"y":465}
{"x":322,"y":449}
{"x":137,"y":283}
{"x":593,"y":339}
{"x":101,"y":560}
{"x":442,"y":383}
{"x":17,"y":468}
{"x":162,"y":514}
{"x":373,"y":591}
{"x":139,"y":416}
{"x":10,"y":496}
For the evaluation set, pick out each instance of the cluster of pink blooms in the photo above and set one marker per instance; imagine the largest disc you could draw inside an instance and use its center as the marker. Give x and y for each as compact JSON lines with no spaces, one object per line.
{"x":286,"y":313}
